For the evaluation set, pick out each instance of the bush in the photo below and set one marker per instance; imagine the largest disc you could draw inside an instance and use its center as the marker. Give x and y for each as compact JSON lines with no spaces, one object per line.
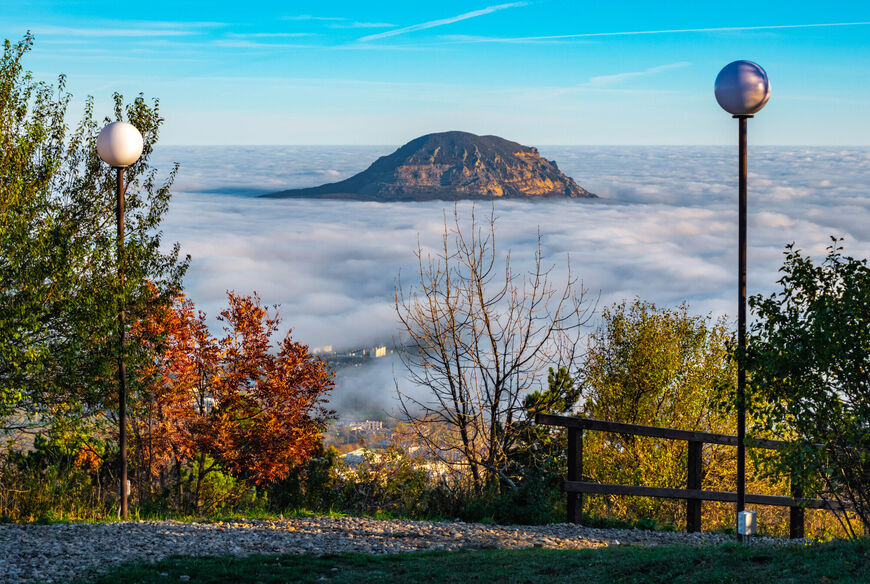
{"x":808,"y":360}
{"x":51,"y":483}
{"x":531,"y":504}
{"x":312,"y":485}
{"x":386,"y":481}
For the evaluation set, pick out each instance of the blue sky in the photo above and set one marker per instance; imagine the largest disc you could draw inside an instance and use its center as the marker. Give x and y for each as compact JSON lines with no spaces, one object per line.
{"x":539,"y":72}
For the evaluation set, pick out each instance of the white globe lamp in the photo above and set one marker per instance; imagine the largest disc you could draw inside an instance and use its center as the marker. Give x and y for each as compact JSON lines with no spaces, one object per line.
{"x":120,"y":144}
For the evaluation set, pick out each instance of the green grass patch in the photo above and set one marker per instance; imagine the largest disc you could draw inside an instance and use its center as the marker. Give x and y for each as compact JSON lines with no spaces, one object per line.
{"x":835,"y":562}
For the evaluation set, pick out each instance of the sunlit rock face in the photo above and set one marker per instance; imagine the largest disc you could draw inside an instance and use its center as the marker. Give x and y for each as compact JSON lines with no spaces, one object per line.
{"x":453,"y":165}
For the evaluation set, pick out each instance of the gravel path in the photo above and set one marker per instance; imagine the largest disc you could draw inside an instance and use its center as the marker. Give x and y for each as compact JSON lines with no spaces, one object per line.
{"x":54,"y":553}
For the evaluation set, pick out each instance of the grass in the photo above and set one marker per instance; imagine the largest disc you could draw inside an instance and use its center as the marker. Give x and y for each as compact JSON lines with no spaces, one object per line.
{"x":835,"y":562}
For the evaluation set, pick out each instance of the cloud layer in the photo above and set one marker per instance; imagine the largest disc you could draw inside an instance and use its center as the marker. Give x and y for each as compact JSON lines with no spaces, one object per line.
{"x":664,"y":230}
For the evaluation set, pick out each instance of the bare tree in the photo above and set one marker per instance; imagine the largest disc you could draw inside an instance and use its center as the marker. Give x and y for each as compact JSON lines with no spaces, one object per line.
{"x":480,"y":337}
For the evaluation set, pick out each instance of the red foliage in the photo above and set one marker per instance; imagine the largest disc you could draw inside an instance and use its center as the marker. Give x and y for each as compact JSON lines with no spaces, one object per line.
{"x":253,"y":408}
{"x":268,"y":414}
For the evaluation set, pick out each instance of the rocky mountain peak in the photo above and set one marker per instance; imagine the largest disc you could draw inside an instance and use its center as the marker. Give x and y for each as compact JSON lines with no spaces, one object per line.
{"x":451,"y":165}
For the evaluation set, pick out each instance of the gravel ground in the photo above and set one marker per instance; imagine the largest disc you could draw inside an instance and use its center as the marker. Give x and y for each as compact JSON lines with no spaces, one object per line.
{"x":54,"y":553}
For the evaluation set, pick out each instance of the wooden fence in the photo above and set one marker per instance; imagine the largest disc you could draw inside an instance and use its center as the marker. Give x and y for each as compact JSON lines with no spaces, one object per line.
{"x":575,"y":486}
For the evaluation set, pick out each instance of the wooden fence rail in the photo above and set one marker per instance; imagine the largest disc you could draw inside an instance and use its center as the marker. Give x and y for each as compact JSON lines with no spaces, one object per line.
{"x":693,"y":494}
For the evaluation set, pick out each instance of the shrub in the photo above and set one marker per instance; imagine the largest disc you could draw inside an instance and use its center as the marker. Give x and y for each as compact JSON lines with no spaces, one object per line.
{"x":808,"y":364}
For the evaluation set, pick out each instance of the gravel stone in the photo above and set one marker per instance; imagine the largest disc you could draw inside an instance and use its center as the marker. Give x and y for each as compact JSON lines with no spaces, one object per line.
{"x":58,"y":552}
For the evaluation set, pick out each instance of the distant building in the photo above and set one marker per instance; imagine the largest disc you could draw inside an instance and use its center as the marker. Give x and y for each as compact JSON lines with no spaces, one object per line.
{"x":367,"y":427}
{"x":338,"y":359}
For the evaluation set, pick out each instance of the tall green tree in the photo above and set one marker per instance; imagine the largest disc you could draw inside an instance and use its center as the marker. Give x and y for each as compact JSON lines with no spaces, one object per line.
{"x":809,"y":375}
{"x":59,"y":290}
{"x":660,"y":367}
{"x":656,"y":367}
{"x":32,"y":133}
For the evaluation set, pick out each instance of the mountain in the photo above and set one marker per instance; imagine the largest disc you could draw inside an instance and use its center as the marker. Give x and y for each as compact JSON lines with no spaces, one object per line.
{"x":451,"y":165}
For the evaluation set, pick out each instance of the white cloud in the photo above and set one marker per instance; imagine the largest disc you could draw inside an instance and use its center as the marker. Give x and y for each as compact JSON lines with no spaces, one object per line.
{"x":356,"y":24}
{"x":248,"y":44}
{"x":665,"y":230}
{"x":442,"y":21}
{"x":95,"y":32}
{"x":315,"y":18}
{"x":620,"y":77}
{"x":270,"y":35}
{"x":105,"y":28}
{"x":587,"y":35}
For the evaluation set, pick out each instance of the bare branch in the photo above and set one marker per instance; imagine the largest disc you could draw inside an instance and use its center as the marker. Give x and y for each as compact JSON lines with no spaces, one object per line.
{"x":480,"y":340}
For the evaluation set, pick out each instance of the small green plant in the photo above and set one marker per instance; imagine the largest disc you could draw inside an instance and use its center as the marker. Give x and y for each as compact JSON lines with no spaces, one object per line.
{"x":646,"y":524}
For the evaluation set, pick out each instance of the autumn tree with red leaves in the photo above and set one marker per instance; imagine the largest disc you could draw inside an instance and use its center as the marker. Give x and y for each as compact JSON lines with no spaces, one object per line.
{"x":169,"y":402}
{"x":268,"y":407}
{"x":239,"y":404}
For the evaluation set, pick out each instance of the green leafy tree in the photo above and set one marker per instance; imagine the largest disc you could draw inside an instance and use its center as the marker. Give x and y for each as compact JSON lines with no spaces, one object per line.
{"x":657,"y":367}
{"x":560,"y":397}
{"x":809,"y":375}
{"x":539,"y":451}
{"x":59,"y":290}
{"x":31,"y":146}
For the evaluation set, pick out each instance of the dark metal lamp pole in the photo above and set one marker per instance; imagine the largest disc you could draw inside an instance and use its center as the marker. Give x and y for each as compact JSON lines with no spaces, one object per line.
{"x":120,"y":145}
{"x":122,"y":373}
{"x":742,"y":89}
{"x":741,"y":320}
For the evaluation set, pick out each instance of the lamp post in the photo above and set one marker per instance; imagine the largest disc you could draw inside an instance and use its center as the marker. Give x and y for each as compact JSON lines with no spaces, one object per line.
{"x":742,"y":89}
{"x":120,"y":145}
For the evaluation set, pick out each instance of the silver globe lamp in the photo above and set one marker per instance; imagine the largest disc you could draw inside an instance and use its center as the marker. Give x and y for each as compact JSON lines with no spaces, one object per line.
{"x":742,"y":89}
{"x":120,"y":146}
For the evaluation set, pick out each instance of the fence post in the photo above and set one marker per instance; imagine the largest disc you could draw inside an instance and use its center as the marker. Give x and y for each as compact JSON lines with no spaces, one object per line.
{"x":575,"y":472}
{"x":694,"y":469}
{"x":580,"y":496}
{"x":796,"y":514}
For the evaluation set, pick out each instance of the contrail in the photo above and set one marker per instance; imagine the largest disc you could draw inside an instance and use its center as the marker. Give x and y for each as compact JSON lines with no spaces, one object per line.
{"x":442,"y":22}
{"x":666,"y":31}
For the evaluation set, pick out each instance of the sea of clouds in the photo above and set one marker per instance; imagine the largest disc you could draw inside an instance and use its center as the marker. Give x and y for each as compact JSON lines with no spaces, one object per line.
{"x":664,"y":229}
